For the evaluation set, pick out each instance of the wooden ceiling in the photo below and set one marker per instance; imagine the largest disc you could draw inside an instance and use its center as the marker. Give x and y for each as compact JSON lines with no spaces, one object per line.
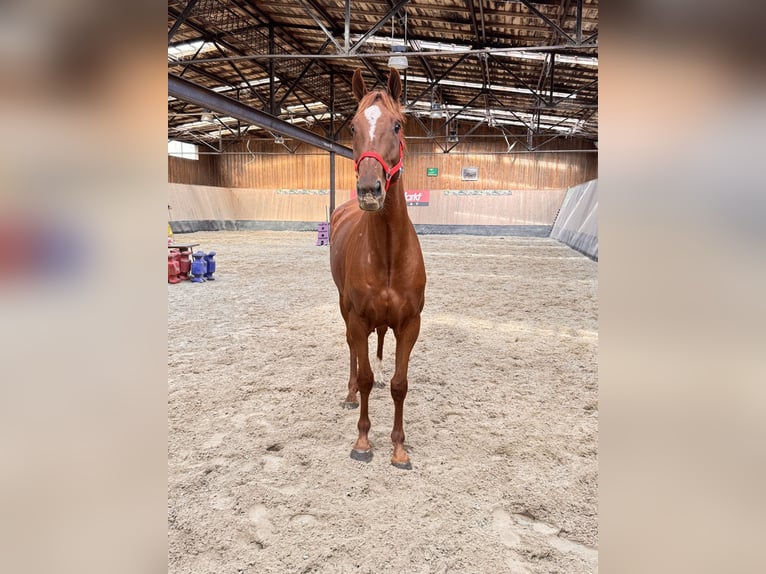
{"x":518,"y":66}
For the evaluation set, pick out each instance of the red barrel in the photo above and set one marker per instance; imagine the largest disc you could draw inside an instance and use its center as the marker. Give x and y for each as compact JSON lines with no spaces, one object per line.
{"x":184,"y":262}
{"x":174,"y":268}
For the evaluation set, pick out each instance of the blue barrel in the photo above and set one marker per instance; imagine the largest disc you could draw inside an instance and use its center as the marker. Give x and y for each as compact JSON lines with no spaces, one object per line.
{"x":198,"y":267}
{"x":210,"y":266}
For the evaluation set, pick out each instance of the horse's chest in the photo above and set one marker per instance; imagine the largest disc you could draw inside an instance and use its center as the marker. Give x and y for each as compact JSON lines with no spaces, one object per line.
{"x":381,"y":288}
{"x":381,"y":301}
{"x":379,"y":304}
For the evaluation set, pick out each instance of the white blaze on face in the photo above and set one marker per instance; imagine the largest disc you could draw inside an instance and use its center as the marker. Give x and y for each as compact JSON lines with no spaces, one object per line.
{"x":372,"y":114}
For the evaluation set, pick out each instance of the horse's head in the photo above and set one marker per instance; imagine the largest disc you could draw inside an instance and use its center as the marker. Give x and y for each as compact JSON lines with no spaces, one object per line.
{"x":378,"y":143}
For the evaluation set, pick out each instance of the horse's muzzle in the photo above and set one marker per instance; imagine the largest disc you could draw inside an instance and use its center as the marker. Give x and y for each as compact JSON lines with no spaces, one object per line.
{"x":370,"y":197}
{"x":369,"y":204}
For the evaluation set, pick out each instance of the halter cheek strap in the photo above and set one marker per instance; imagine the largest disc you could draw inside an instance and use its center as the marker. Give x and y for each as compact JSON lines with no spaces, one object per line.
{"x":390,"y":172}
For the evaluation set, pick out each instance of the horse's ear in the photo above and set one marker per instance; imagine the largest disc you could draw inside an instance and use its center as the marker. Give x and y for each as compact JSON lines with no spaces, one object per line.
{"x":357,"y":84}
{"x":394,"y":84}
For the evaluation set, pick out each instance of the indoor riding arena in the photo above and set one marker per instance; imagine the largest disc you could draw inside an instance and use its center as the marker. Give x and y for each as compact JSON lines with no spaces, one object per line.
{"x":499,"y":152}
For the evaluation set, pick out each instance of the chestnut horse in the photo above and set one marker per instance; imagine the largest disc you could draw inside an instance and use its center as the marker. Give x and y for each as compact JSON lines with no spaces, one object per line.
{"x":375,"y":258}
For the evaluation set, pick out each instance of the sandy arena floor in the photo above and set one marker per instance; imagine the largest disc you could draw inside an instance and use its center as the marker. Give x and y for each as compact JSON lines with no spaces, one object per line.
{"x":501,"y":417}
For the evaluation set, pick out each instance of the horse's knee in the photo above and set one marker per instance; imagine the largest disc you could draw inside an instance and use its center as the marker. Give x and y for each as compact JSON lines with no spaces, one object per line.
{"x":365,"y":382}
{"x":398,"y":389}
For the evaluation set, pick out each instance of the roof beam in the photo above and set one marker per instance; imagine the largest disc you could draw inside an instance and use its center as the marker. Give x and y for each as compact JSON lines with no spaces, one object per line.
{"x":181,"y":19}
{"x":298,"y":46}
{"x":219,"y":41}
{"x":476,"y":126}
{"x":484,"y":59}
{"x":297,"y":80}
{"x":240,"y":56}
{"x":431,"y":85}
{"x":510,"y":110}
{"x":519,"y":79}
{"x":203,"y":72}
{"x":347,"y":27}
{"x":466,"y":106}
{"x":190,"y":92}
{"x":394,"y":9}
{"x":483,"y":31}
{"x":472,"y":14}
{"x":241,"y":75}
{"x":548,"y":21}
{"x":310,"y":12}
{"x":213,"y":37}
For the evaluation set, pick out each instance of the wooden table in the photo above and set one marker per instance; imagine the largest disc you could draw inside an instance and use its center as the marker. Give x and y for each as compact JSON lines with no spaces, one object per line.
{"x":183,"y":246}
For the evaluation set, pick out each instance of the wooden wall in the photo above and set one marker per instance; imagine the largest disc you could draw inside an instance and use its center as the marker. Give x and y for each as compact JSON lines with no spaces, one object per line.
{"x":204,"y":171}
{"x":202,"y":202}
{"x":261,"y":180}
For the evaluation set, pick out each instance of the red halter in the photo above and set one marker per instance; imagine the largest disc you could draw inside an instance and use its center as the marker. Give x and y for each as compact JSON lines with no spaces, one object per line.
{"x":390,"y":172}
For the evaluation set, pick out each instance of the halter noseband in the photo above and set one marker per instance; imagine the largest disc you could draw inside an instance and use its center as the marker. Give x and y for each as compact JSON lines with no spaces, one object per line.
{"x":390,"y":172}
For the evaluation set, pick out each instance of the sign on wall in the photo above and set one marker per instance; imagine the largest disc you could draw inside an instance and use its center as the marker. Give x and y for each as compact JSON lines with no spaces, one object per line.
{"x":432,"y":171}
{"x":413,"y":197}
{"x":470,"y":174}
{"x":417,"y":197}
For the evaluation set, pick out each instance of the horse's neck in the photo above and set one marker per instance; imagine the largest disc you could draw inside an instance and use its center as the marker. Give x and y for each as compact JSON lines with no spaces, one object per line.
{"x":389,"y":227}
{"x":394,"y":211}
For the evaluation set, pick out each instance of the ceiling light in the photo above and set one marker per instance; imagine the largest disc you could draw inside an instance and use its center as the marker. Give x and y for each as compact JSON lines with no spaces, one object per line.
{"x":206,"y":117}
{"x":278,"y":139}
{"x":436,"y":111}
{"x":397,"y":61}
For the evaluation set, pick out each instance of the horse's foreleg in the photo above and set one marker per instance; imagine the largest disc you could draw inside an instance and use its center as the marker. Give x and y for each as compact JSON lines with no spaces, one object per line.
{"x":406,"y":336}
{"x":357,"y":334}
{"x":379,"y":382}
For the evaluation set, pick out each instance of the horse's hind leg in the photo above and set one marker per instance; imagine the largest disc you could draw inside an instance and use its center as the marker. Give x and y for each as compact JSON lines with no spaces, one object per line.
{"x":351,"y":402}
{"x":379,"y":379}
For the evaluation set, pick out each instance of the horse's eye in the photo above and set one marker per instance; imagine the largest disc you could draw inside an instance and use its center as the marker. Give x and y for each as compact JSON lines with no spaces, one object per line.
{"x":397,"y":127}
{"x":351,"y":128}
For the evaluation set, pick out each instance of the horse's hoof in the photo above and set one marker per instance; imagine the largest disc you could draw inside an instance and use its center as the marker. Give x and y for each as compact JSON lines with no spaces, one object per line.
{"x":403,"y":465}
{"x":362,"y":455}
{"x":349,"y":405}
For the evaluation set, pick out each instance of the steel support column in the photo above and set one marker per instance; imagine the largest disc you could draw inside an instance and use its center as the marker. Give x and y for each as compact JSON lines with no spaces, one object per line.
{"x":272,"y":87}
{"x":332,"y":132}
{"x":553,"y":69}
